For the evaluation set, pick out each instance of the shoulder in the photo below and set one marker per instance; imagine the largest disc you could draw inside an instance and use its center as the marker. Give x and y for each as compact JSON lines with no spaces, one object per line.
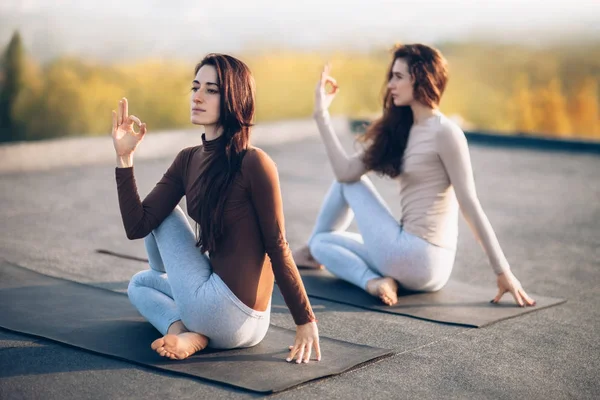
{"x":183,"y":157}
{"x":259,"y":169}
{"x":448,"y":133}
{"x":188,"y":151}
{"x":257,"y":159}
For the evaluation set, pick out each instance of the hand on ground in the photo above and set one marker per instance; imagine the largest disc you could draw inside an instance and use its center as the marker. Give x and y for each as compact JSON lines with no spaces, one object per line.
{"x":508,"y":283}
{"x":307,"y":338}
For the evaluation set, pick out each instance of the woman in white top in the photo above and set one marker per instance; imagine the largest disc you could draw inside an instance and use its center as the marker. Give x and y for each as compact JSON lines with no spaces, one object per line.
{"x":414,"y":142}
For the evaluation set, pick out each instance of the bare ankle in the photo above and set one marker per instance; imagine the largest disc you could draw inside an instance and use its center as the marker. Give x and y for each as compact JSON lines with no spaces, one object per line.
{"x":176,"y":328}
{"x":372,"y":282}
{"x":195,"y":340}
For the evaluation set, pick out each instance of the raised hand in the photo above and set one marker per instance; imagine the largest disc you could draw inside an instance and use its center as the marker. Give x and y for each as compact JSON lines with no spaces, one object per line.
{"x":508,"y":283}
{"x":125,"y":138}
{"x":323,"y":98}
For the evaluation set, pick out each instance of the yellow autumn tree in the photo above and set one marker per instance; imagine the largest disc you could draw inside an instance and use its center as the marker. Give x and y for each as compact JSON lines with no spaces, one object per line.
{"x":584,"y":110}
{"x":285,"y":84}
{"x":61,"y":108}
{"x":158,"y":91}
{"x":551,"y":113}
{"x":521,"y":105}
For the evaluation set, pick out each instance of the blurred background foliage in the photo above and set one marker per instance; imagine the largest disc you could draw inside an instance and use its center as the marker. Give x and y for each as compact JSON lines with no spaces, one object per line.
{"x":550,"y":91}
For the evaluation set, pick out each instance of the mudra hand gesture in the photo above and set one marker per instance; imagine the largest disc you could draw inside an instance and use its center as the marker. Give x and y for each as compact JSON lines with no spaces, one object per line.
{"x":125,"y":138}
{"x":323,"y":98}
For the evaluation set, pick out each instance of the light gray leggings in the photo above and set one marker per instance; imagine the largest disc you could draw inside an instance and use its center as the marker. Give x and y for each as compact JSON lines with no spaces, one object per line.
{"x":181,"y":286}
{"x":382,"y":249}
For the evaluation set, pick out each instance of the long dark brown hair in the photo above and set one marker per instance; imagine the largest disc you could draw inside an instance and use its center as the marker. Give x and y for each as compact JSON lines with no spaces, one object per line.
{"x":387,"y":137}
{"x":237,"y":89}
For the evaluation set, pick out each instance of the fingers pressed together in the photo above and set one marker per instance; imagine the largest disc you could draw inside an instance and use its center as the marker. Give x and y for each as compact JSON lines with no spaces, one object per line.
{"x":302,"y":352}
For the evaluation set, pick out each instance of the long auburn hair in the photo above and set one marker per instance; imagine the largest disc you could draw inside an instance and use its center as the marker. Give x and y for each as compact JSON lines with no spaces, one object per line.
{"x":387,"y":137}
{"x":237,"y":89}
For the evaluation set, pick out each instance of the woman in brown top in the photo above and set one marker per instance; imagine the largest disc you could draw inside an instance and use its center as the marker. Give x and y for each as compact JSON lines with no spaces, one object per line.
{"x":427,"y":153}
{"x":213,"y":287}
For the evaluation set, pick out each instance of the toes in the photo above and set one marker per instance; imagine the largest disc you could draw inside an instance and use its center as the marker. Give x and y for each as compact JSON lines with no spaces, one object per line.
{"x":167,"y":347}
{"x":178,"y":356}
{"x":387,"y":296}
{"x":157,"y":344}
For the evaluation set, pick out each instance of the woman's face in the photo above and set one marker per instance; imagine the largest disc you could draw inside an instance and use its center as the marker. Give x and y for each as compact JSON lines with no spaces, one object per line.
{"x":206,"y":97}
{"x":400,"y":84}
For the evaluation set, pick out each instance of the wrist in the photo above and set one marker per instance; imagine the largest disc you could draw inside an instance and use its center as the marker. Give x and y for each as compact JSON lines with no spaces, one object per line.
{"x":506,"y":272}
{"x":311,"y":322}
{"x":320,"y":113}
{"x":125,"y":161}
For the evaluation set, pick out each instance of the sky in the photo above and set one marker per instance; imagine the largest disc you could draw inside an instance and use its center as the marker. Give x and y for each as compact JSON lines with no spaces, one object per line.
{"x":122,"y":29}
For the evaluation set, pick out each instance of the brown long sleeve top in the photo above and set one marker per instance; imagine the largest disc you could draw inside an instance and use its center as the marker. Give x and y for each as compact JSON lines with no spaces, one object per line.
{"x":253,"y":224}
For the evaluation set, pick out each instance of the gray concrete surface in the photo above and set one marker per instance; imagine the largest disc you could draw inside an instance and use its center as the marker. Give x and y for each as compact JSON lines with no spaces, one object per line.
{"x":544,"y":207}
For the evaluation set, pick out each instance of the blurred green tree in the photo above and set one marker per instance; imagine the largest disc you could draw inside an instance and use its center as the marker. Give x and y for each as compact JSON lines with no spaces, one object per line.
{"x":11,"y":84}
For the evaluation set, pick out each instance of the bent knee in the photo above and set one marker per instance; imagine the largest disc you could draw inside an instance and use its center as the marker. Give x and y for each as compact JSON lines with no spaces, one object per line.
{"x":317,"y":243}
{"x":319,"y":239}
{"x":139,"y":279}
{"x":176,"y":216}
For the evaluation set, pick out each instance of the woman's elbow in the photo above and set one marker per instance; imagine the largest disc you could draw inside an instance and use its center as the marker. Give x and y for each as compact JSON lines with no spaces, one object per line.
{"x":131,"y":236}
{"x":470,"y":205}
{"x":347,"y":178}
{"x":349,"y":173}
{"x":135,"y":234}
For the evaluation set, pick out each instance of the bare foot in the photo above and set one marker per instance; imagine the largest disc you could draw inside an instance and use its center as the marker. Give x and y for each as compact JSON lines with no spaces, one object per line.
{"x":304,"y":259}
{"x":180,"y":346}
{"x":385,"y":288}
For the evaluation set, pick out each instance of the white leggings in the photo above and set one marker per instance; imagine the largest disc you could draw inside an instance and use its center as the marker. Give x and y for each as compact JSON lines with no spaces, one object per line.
{"x":382,"y":249}
{"x":180,"y":285}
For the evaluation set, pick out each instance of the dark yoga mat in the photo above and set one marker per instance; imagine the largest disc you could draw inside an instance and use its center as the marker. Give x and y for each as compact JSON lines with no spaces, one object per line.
{"x":457,"y":303}
{"x":105,"y":322}
{"x":145,"y":260}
